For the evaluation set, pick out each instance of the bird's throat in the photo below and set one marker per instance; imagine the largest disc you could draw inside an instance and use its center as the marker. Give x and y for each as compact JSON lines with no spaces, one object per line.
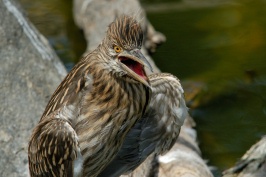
{"x":134,"y":66}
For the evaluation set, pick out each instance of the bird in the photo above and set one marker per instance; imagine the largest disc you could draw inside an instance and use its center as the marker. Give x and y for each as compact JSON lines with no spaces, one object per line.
{"x":88,"y":116}
{"x":252,"y":163}
{"x":158,"y":129}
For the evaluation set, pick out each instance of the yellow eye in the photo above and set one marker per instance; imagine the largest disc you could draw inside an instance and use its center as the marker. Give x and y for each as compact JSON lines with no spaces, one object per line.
{"x":117,"y":49}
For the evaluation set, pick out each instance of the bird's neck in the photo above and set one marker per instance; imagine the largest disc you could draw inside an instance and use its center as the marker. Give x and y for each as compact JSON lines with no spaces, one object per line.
{"x":111,"y":92}
{"x":110,"y":102}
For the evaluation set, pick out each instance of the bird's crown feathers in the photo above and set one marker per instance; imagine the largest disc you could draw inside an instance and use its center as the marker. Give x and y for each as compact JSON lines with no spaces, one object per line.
{"x":126,"y":32}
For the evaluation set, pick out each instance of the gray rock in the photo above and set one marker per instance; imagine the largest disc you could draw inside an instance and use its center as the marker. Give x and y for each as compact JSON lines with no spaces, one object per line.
{"x":29,"y":73}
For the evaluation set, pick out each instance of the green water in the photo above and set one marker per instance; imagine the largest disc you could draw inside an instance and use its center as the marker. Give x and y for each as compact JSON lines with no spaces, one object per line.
{"x":217,"y":49}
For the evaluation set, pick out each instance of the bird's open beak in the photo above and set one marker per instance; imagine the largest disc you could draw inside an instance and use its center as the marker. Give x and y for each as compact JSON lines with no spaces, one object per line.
{"x":134,"y":62}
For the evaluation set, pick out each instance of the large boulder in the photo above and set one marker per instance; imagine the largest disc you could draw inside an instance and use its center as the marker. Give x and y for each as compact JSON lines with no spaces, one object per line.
{"x":29,"y":73}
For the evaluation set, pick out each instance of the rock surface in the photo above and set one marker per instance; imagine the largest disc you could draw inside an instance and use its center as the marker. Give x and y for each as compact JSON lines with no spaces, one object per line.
{"x":29,"y":73}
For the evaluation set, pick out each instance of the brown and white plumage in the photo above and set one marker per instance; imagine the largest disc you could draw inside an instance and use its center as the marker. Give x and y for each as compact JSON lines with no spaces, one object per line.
{"x":158,"y":129}
{"x":88,"y":116}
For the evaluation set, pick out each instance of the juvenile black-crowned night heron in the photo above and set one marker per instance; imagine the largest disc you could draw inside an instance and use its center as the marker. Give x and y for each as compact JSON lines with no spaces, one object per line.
{"x":88,"y":116}
{"x":104,"y":103}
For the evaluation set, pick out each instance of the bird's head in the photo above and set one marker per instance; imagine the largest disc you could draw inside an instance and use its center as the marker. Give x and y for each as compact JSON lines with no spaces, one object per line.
{"x":122,"y":44}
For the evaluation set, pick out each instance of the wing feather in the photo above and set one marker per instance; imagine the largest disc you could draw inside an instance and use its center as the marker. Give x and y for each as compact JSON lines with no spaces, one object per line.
{"x":53,"y":148}
{"x":67,"y":92}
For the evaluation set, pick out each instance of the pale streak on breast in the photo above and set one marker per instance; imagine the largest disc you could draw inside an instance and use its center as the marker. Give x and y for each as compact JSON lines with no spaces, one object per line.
{"x":62,"y":99}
